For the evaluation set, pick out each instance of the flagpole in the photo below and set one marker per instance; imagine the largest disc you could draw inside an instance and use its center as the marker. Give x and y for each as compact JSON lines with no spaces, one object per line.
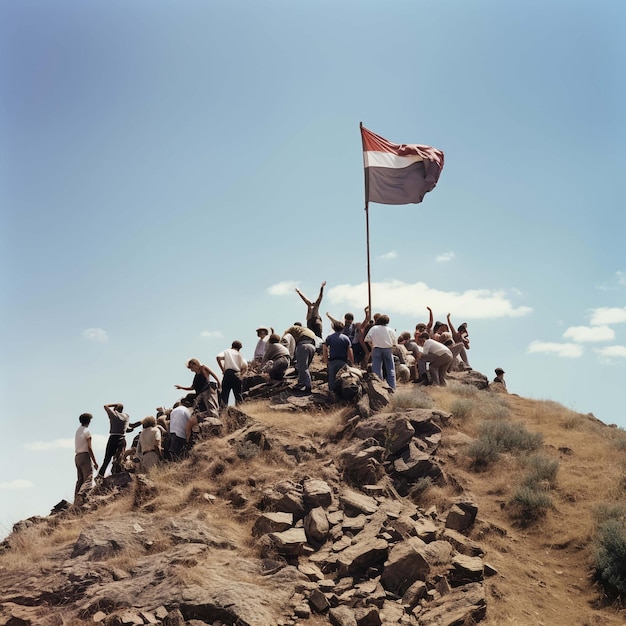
{"x":367,"y":234}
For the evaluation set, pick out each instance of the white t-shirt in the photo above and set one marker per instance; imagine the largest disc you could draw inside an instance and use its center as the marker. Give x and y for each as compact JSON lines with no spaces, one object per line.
{"x":233,"y":360}
{"x":179,"y":418}
{"x":381,"y":337}
{"x":82,"y":439}
{"x":434,"y":347}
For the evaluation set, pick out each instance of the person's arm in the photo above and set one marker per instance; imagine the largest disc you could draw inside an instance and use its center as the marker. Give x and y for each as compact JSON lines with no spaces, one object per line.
{"x":325,"y":353}
{"x":331,"y":318}
{"x":92,"y":456}
{"x":430,"y":320}
{"x":452,"y":329}
{"x":207,"y":371}
{"x":304,"y":298}
{"x":183,"y":388}
{"x":220,"y":362}
{"x":190,"y":425}
{"x":350,"y":355}
{"x":367,"y":317}
{"x":319,"y":298}
{"x":243,"y":365}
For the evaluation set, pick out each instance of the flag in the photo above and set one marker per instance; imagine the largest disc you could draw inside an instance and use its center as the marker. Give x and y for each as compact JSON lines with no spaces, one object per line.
{"x":398,"y":173}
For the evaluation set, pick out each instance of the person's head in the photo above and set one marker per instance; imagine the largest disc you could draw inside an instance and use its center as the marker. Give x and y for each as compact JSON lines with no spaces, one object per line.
{"x":119,"y":407}
{"x":383,"y":320}
{"x":420,"y":328}
{"x":422,"y":338}
{"x":499,"y":371}
{"x":188,"y":400}
{"x":274,"y":338}
{"x":405,"y":336}
{"x":262,"y":332}
{"x":193,"y":365}
{"x":297,"y":323}
{"x":236,"y":345}
{"x":146,"y":422}
{"x":348,"y":318}
{"x":85,"y":419}
{"x":337,"y":326}
{"x":462,"y":327}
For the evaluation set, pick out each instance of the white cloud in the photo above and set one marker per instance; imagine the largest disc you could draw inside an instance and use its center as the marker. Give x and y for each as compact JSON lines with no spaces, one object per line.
{"x":211,"y":334}
{"x":395,"y":296}
{"x":565,"y":350}
{"x":617,"y":282}
{"x":612,"y":351}
{"x":446,"y":256}
{"x":284,"y":288}
{"x":38,"y":446}
{"x":589,"y":333}
{"x":96,"y":334}
{"x":17,"y":484}
{"x":608,"y":315}
{"x":388,"y":255}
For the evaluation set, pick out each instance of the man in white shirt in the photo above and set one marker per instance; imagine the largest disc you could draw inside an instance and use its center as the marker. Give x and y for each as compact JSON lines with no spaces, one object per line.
{"x":233,"y":366}
{"x":439,"y":357}
{"x":383,"y":339}
{"x":84,"y":458}
{"x":180,"y":428}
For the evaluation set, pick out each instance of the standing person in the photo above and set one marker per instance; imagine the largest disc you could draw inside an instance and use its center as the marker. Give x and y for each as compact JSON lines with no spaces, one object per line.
{"x":382,"y":339}
{"x":263,"y":334}
{"x":149,"y":445}
{"x":84,"y":458}
{"x":201,"y":384}
{"x":313,"y":319}
{"x":439,"y":357}
{"x":233,"y":366}
{"x":180,"y":428}
{"x":461,"y":336}
{"x":337,"y":352}
{"x":304,"y":352}
{"x":348,"y":327}
{"x":118,"y":425}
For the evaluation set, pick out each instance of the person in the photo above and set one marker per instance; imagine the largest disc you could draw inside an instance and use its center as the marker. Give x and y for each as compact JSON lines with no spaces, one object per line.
{"x":118,"y":426}
{"x":499,"y":379}
{"x":313,"y":319}
{"x":149,"y":443}
{"x":202,"y":385}
{"x":348,"y":327}
{"x":460,"y":336}
{"x":439,"y":357}
{"x":359,"y":348}
{"x":233,"y":366}
{"x":263,"y":334}
{"x":276,"y":359}
{"x":180,"y":427}
{"x":382,"y":339}
{"x":337,"y":352}
{"x":84,"y":458}
{"x":304,"y":352}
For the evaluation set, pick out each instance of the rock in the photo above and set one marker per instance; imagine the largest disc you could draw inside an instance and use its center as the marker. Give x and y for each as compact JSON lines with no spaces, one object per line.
{"x":316,"y":526}
{"x":272,"y":522}
{"x":355,"y":503}
{"x":289,"y":542}
{"x":367,"y":616}
{"x":317,"y":493}
{"x":391,"y":431}
{"x":462,"y":515}
{"x":318,"y":601}
{"x":414,"y":464}
{"x":466,"y":569}
{"x":404,"y":566}
{"x":342,"y":616}
{"x":362,"y":555}
{"x":458,"y":607}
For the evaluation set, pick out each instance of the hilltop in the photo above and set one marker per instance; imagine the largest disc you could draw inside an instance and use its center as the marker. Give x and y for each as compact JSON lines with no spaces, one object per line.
{"x":308,"y":512}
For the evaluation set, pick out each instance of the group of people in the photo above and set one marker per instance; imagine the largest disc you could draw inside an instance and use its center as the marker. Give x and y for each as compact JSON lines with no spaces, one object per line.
{"x":424,"y":357}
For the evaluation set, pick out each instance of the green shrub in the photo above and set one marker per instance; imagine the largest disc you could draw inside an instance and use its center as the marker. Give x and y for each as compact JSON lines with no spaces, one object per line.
{"x":609,"y":511}
{"x":610,"y":557}
{"x":509,"y":436}
{"x":462,"y":407}
{"x":459,"y":389}
{"x":530,"y":503}
{"x":541,"y":471}
{"x":483,"y":453}
{"x":414,"y":399}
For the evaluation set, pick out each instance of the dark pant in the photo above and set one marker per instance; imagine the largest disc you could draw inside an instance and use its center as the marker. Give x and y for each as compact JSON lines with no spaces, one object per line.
{"x":177,"y":446}
{"x":231,"y":382}
{"x":113,"y":444}
{"x":84,"y":470}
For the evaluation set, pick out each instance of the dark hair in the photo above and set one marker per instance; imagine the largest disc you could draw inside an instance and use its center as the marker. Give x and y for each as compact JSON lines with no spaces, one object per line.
{"x":274,"y":338}
{"x":424,"y":336}
{"x":337,"y":326}
{"x":383,"y":320}
{"x":236,"y":345}
{"x":348,"y":316}
{"x":405,"y":336}
{"x":85,"y":418}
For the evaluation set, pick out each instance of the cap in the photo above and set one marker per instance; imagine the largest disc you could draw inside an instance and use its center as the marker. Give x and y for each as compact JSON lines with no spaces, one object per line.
{"x":499,"y":370}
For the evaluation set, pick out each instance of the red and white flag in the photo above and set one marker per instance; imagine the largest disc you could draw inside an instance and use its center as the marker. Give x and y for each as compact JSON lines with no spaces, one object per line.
{"x":398,"y":173}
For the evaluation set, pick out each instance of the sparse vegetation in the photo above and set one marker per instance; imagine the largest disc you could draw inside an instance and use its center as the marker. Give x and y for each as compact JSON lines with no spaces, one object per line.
{"x":540,"y":471}
{"x":530,"y":503}
{"x":610,"y":556}
{"x":411,"y":399}
{"x":462,"y":408}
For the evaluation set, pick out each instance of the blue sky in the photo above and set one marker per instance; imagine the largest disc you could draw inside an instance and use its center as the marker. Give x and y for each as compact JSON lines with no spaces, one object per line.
{"x":170,"y":171}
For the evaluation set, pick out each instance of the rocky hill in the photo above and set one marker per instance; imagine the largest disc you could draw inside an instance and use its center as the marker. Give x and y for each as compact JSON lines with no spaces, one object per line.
{"x":430,"y":506}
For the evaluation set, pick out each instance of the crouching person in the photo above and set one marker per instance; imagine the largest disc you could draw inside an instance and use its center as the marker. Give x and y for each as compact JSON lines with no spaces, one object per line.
{"x":149,"y":444}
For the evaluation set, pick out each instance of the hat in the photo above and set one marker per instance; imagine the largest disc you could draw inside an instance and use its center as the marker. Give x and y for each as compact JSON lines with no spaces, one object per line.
{"x":267,"y":330}
{"x":499,"y":370}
